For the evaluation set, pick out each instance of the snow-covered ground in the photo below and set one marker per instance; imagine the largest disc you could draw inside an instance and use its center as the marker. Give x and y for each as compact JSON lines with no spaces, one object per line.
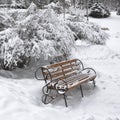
{"x":20,"y":99}
{"x":114,"y":29}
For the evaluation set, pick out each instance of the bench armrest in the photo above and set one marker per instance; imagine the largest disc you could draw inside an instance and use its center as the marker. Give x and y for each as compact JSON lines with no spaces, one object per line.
{"x":89,"y":71}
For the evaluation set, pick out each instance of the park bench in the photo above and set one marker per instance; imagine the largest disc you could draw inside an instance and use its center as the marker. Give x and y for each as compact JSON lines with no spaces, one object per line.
{"x":64,"y":76}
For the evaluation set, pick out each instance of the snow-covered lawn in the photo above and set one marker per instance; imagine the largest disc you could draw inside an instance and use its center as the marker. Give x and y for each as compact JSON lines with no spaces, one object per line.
{"x":20,"y":99}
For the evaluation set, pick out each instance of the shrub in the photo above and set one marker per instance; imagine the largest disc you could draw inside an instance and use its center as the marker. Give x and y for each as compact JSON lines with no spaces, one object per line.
{"x":56,"y":7}
{"x":89,"y":32}
{"x":99,"y":11}
{"x":40,"y":33}
{"x":5,"y":21}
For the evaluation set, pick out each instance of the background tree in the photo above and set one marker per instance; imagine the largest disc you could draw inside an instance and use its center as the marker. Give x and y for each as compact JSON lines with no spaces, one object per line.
{"x":118,"y":7}
{"x":98,"y":10}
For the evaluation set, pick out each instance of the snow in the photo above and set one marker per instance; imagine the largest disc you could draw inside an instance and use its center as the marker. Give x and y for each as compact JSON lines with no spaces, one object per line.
{"x":114,"y":30}
{"x":20,"y":96}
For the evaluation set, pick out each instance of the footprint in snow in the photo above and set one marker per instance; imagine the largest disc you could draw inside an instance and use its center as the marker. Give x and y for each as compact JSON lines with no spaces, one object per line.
{"x":102,"y":81}
{"x":104,"y":88}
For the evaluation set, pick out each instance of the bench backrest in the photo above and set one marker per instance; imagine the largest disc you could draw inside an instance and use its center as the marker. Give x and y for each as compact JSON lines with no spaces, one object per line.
{"x":62,"y":69}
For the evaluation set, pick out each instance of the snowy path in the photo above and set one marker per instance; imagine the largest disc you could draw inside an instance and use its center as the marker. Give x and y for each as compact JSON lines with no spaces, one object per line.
{"x":21,"y":99}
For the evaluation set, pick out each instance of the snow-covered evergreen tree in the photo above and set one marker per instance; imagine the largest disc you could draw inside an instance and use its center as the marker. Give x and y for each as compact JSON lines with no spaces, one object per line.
{"x":99,"y":11}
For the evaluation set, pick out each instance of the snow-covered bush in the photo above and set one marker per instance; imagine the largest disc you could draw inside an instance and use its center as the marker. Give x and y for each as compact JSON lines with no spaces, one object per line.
{"x":18,"y":15}
{"x":20,"y":3}
{"x":11,"y":48}
{"x":59,"y":7}
{"x":32,"y":9}
{"x":118,"y":11}
{"x":76,"y":18}
{"x":99,"y":11}
{"x":41,"y":33}
{"x":5,"y":21}
{"x":56,"y":7}
{"x":89,"y":32}
{"x":47,"y":33}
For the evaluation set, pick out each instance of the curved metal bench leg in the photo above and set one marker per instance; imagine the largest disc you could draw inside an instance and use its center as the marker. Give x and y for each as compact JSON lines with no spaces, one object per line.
{"x":94,"y":83}
{"x":81,"y":90}
{"x":45,"y":99}
{"x":65,"y":100}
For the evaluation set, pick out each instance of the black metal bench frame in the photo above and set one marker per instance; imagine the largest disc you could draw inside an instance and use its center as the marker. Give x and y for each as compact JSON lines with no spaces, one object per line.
{"x":63,"y":76}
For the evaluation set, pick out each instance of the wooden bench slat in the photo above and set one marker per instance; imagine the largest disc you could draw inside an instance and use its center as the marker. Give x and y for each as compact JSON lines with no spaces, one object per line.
{"x":81,"y":81}
{"x":69,"y":66}
{"x":75,"y":78}
{"x":62,"y":74}
{"x":60,"y":63}
{"x":59,"y":70}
